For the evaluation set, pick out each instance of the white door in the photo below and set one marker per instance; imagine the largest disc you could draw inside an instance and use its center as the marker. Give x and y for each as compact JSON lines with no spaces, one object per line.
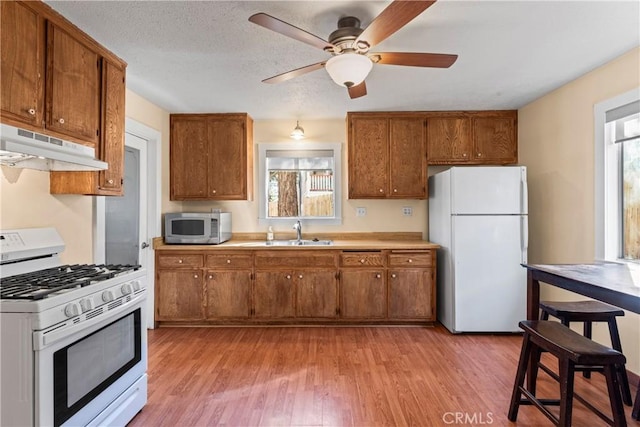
{"x":490,"y":284}
{"x":489,"y":190}
{"x":125,"y":219}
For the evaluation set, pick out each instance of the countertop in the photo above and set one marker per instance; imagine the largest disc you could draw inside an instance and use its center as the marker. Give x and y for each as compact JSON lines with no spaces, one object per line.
{"x":353,"y":241}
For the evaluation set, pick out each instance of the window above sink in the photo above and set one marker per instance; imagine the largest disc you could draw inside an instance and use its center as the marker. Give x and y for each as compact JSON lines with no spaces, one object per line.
{"x":300,"y":181}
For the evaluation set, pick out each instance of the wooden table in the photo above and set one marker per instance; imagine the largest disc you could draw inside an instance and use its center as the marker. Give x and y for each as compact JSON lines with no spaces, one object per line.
{"x":613,"y":283}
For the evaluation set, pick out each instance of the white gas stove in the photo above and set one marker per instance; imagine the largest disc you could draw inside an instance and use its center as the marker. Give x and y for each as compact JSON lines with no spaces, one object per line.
{"x":73,"y":336}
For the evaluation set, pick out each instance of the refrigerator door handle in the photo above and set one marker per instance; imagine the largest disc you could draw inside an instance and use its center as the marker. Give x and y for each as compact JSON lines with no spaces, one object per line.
{"x":524,"y":193}
{"x":524,"y":237}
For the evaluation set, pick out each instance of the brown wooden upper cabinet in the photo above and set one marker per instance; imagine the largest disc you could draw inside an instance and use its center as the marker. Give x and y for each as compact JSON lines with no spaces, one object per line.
{"x":211,"y":156}
{"x":387,"y":156}
{"x":59,"y":81}
{"x":480,"y":138}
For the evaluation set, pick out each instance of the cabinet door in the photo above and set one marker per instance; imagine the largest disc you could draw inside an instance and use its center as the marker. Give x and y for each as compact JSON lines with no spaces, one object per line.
{"x":274,"y":294}
{"x":368,"y":157}
{"x":449,"y":140}
{"x":227,"y":159}
{"x":411,"y":294}
{"x":73,"y":86}
{"x":188,"y":151}
{"x":407,"y":158}
{"x":362,"y":294}
{"x":316,"y":294}
{"x":228,"y":294}
{"x":179,"y":295}
{"x":494,"y":140}
{"x":22,"y":69}
{"x":112,"y":145}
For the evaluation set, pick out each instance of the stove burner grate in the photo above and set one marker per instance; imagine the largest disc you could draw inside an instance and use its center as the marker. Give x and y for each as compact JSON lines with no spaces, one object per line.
{"x":39,"y":284}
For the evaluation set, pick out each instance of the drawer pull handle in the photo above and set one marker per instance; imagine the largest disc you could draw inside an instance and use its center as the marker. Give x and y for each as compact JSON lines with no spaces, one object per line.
{"x":228,"y":261}
{"x":362,"y":261}
{"x":179,"y":261}
{"x":410,"y":260}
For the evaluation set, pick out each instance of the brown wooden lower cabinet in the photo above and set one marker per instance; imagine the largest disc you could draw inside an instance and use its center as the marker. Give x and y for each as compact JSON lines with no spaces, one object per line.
{"x":295,"y":286}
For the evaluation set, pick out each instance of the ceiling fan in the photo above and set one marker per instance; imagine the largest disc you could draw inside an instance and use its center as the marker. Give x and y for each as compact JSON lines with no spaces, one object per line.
{"x":349,"y":45}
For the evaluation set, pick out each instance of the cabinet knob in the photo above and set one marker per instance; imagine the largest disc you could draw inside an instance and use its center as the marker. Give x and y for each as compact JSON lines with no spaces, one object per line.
{"x":32,"y":111}
{"x":288,"y":276}
{"x":409,"y":260}
{"x":300,"y":276}
{"x":395,"y":190}
{"x":362,"y":261}
{"x":464,"y":154}
{"x":110,"y":181}
{"x":378,"y":276}
{"x":381,"y":190}
{"x":195,"y":276}
{"x":179,"y":261}
{"x":393,"y":275}
{"x":228,"y":261}
{"x":479,"y":154}
{"x":211,"y":276}
{"x":213,"y":191}
{"x":61,"y":120}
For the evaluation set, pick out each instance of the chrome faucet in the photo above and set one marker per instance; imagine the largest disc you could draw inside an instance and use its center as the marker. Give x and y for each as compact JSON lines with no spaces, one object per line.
{"x":298,"y":227}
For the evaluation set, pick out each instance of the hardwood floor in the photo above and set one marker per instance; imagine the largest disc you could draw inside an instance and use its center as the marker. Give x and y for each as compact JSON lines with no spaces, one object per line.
{"x":342,"y":376}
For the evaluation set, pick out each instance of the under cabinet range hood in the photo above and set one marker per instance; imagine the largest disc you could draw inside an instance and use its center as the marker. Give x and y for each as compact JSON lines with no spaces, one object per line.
{"x":21,"y":148}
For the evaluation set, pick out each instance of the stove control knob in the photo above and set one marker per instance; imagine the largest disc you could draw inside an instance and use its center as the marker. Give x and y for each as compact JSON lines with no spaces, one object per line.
{"x":136,"y":285}
{"x":86,"y":305}
{"x":126,"y":289}
{"x":107,"y":296}
{"x":72,"y":309}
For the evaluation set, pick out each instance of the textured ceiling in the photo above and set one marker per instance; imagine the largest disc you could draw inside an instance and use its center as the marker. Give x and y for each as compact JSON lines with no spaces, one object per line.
{"x":205,"y":56}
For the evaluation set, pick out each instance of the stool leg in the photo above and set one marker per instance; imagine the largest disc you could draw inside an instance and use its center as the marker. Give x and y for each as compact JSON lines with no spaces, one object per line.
{"x":544,"y":315}
{"x":622,"y":372}
{"x":587,"y":332}
{"x":566,"y":370}
{"x":635,"y":414}
{"x":614,"y":396}
{"x":519,"y":381}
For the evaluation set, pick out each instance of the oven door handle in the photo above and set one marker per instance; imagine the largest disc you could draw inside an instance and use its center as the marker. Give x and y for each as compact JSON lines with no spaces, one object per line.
{"x":46,"y":338}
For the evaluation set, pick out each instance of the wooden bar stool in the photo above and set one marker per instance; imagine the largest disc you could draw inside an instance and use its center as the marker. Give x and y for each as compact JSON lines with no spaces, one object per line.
{"x":588,"y":312}
{"x":572,"y":351}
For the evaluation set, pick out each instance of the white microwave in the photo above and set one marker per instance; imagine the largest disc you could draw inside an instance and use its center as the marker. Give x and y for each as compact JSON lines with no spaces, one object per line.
{"x":197,"y":228}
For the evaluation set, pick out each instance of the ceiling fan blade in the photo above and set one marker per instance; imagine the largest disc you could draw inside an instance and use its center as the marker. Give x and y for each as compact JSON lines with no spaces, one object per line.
{"x":395,"y":16}
{"x":358,"y":91}
{"x":435,"y":60}
{"x":279,"y":26}
{"x":295,"y":73}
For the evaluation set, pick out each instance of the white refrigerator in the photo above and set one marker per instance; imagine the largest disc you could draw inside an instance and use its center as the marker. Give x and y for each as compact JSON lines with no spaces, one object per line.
{"x":478,"y":215}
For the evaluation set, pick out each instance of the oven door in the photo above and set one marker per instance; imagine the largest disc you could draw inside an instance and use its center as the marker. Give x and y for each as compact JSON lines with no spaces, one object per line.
{"x":93,"y":372}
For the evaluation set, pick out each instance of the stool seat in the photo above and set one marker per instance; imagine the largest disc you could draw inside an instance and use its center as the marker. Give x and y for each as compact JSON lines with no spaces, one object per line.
{"x":588,"y":312}
{"x":573,"y":352}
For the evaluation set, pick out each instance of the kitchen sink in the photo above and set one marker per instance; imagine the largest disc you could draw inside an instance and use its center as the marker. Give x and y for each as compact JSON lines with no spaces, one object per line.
{"x":303,"y":242}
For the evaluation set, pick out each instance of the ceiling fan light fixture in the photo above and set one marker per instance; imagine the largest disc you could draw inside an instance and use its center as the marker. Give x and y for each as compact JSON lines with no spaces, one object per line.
{"x":349,"y":69}
{"x":298,"y":132}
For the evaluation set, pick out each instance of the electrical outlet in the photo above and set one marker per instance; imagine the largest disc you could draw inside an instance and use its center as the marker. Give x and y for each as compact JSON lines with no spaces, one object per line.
{"x":407,"y":210}
{"x":361,"y":211}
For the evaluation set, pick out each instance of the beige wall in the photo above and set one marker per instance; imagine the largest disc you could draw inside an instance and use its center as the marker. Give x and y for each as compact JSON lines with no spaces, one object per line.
{"x":556,"y":143}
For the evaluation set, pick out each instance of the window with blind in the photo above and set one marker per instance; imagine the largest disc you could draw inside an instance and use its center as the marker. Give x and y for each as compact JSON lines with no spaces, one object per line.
{"x":622,"y":150}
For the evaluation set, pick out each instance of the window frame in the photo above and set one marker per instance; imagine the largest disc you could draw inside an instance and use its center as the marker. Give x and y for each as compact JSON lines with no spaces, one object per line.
{"x":607,"y":175}
{"x":263,"y":182}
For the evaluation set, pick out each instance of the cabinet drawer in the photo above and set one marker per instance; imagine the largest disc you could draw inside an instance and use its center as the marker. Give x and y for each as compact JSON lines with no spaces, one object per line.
{"x":411,"y":259}
{"x":298,"y":258}
{"x":180,"y":260}
{"x":362,"y":259}
{"x":229,"y":261}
